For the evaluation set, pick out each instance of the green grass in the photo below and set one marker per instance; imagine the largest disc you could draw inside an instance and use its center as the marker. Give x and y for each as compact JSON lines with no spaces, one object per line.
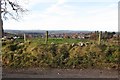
{"x":57,"y":40}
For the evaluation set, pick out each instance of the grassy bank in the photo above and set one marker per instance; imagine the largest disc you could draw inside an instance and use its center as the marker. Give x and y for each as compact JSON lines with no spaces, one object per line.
{"x":34,"y":53}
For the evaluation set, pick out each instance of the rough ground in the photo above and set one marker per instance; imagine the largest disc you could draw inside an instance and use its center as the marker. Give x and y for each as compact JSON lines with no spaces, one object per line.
{"x":59,"y":73}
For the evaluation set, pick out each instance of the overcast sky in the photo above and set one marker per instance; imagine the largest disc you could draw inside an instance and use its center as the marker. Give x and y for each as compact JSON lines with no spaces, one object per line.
{"x":89,"y":15}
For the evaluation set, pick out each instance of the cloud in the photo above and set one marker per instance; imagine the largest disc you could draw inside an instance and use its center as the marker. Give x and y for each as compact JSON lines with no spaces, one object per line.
{"x":92,"y":0}
{"x":56,"y":8}
{"x":61,"y":2}
{"x":64,"y":16}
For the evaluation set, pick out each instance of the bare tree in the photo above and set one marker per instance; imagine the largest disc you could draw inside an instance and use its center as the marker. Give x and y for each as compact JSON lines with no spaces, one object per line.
{"x":1,"y":23}
{"x":9,"y":9}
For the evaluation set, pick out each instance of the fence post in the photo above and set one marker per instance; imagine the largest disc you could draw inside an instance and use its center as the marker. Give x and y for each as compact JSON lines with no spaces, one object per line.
{"x":46,"y":37}
{"x":99,"y":38}
{"x":24,"y":37}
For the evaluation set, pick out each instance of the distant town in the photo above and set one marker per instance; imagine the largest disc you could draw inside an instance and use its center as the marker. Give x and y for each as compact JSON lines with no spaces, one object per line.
{"x":60,"y":34}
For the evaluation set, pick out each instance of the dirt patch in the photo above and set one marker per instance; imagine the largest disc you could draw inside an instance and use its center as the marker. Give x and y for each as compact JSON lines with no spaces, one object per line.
{"x":59,"y":73}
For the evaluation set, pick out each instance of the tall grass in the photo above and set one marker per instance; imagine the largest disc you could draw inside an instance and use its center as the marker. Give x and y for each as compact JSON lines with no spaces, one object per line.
{"x":34,"y":53}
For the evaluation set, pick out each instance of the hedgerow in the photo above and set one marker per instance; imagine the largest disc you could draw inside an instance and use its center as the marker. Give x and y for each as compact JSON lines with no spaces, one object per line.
{"x":29,"y":54}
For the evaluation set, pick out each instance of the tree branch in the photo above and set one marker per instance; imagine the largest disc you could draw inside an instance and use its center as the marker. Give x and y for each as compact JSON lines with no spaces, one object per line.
{"x":15,"y":7}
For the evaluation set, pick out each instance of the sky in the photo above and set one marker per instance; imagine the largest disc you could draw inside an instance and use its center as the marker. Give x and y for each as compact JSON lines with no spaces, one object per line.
{"x":91,"y":15}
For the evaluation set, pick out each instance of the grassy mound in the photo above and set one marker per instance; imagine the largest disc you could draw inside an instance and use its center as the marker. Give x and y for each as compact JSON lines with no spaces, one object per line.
{"x":33,"y":54}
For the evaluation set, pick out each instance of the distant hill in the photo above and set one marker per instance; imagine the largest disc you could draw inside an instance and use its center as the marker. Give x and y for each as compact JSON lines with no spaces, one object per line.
{"x":43,"y":31}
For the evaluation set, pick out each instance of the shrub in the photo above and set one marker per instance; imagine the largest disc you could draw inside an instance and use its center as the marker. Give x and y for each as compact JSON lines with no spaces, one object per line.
{"x":18,"y":55}
{"x":61,"y":55}
{"x":53,"y":49}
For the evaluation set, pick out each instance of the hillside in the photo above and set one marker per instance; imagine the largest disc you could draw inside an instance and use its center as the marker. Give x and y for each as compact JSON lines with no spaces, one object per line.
{"x":35,"y":53}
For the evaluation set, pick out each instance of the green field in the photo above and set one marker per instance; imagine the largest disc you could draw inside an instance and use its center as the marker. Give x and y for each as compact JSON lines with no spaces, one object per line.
{"x":54,"y":40}
{"x":58,"y":40}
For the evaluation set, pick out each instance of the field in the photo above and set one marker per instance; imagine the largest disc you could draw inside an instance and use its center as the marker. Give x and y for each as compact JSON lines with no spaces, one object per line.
{"x":54,"y":40}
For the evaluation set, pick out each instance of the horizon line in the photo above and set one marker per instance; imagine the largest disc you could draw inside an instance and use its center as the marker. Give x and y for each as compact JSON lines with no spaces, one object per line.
{"x":58,"y":30}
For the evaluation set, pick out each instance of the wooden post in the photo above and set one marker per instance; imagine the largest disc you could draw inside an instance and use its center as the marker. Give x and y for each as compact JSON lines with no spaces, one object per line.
{"x":99,"y":38}
{"x":46,"y":38}
{"x":24,"y":37}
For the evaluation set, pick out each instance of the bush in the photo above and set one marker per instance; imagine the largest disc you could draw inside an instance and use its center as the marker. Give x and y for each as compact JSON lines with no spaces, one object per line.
{"x":61,"y":56}
{"x":19,"y":55}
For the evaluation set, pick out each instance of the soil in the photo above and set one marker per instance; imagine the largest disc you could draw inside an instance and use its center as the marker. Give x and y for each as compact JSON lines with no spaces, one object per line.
{"x":59,"y":73}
